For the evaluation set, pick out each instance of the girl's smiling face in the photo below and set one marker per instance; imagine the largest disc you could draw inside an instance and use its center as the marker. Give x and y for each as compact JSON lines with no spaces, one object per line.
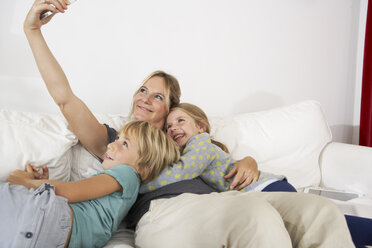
{"x":124,"y":150}
{"x":181,"y":127}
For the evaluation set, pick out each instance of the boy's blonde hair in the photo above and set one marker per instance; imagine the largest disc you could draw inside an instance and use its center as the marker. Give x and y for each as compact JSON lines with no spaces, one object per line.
{"x":200,"y":118}
{"x":155,"y":149}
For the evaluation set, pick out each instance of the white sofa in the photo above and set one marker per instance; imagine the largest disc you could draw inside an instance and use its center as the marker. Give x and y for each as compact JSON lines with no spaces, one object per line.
{"x":293,"y":140}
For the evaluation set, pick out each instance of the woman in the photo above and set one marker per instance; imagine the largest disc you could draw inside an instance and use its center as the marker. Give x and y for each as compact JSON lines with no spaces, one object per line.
{"x":245,"y":220}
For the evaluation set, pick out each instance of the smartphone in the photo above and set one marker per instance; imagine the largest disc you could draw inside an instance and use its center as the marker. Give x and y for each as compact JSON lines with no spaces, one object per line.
{"x":47,"y":13}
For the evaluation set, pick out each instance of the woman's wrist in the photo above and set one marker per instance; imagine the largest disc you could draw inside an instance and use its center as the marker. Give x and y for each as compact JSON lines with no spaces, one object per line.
{"x":31,"y":31}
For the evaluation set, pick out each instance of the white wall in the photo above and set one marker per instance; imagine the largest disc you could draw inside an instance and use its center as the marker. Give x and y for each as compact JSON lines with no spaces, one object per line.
{"x":230,"y":56}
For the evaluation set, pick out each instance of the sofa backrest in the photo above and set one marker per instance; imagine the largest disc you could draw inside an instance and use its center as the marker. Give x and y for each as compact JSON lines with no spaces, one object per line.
{"x":286,"y":140}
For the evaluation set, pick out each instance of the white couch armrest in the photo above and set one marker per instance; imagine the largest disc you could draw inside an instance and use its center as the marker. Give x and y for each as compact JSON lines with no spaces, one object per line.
{"x":347,"y":167}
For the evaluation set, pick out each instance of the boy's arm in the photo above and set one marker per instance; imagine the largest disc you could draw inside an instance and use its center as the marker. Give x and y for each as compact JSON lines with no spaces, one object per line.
{"x":82,"y":190}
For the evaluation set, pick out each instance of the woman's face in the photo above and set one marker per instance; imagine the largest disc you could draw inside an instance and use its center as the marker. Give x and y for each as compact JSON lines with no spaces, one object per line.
{"x":150,"y":103}
{"x":181,"y":127}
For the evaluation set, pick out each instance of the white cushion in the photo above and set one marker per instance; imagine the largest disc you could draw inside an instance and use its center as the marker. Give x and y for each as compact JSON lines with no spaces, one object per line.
{"x":35,"y":138}
{"x":347,"y":167}
{"x":286,"y":140}
{"x":83,"y":163}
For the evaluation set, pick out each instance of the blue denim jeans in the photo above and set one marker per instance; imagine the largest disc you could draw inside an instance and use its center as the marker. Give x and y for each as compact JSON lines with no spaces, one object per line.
{"x":33,"y":218}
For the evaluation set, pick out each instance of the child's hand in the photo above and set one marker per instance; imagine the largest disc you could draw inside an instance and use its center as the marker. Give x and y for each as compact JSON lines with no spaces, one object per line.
{"x":33,"y":21}
{"x":20,"y":177}
{"x":245,"y":171}
{"x":37,"y":174}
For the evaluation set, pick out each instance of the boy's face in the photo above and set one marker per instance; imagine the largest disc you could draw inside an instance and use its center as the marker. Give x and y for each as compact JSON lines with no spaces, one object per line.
{"x":124,"y":150}
{"x":181,"y":127}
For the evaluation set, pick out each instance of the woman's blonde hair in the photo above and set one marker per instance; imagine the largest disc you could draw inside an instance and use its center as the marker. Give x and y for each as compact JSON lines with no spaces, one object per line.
{"x":200,"y":118}
{"x":172,"y":88}
{"x":155,"y":149}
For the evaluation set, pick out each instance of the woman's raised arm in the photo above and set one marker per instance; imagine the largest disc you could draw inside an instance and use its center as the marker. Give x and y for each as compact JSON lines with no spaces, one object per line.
{"x":86,"y":127}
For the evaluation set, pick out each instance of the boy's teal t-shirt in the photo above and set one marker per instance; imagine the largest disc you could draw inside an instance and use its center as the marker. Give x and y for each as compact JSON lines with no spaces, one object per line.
{"x":96,"y":220}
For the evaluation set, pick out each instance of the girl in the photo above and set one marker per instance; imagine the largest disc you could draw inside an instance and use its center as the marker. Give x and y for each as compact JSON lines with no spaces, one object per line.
{"x":188,"y":126}
{"x":85,"y":213}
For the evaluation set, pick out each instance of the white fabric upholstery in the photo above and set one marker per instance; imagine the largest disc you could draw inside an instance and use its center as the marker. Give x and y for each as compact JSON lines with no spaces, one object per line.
{"x":347,"y":167}
{"x":286,"y":140}
{"x":34,"y":138}
{"x":83,"y":163}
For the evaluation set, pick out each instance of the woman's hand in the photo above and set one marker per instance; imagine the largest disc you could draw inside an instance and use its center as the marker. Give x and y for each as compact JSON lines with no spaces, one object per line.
{"x":245,"y":171}
{"x":33,"y":22}
{"x":20,"y":177}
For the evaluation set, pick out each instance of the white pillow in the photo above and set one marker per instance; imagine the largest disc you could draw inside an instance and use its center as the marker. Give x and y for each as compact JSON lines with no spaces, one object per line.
{"x":83,"y":163}
{"x":35,"y":138}
{"x":286,"y":140}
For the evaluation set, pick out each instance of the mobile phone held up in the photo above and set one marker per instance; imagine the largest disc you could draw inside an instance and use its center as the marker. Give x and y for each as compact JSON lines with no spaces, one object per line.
{"x":47,"y":13}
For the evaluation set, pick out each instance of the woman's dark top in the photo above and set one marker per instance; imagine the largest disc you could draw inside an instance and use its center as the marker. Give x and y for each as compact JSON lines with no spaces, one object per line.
{"x":142,"y":205}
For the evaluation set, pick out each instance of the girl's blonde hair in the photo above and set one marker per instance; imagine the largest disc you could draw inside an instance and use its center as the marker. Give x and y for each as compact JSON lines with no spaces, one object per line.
{"x":155,"y":149}
{"x":172,"y":88}
{"x":200,"y":118}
